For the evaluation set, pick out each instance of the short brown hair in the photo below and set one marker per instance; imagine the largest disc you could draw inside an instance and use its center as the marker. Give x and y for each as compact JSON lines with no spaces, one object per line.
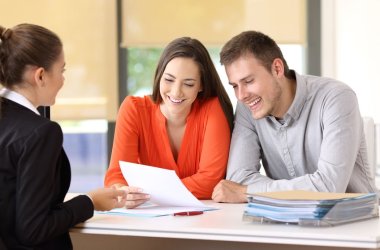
{"x":256,"y":43}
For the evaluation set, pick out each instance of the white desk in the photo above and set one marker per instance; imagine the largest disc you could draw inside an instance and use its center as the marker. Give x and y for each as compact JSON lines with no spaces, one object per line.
{"x":221,"y":229}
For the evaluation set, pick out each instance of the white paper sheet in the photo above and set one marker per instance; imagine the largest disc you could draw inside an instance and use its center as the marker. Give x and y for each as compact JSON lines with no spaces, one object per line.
{"x":163,"y":186}
{"x":154,"y":211}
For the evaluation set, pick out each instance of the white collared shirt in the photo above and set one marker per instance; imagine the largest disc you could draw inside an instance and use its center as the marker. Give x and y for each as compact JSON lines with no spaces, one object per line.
{"x":18,"y":98}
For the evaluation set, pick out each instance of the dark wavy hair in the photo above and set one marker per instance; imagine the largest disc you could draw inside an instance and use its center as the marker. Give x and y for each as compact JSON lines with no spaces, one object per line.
{"x":211,"y":84}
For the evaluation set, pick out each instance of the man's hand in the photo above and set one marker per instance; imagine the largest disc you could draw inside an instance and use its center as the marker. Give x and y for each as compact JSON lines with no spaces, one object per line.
{"x":229,"y":191}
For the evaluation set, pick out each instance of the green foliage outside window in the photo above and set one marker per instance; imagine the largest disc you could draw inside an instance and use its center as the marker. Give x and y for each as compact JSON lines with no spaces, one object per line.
{"x":142,"y":63}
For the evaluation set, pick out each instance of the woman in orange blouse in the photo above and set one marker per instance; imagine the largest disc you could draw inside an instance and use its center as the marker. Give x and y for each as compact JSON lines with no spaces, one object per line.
{"x":185,"y":125}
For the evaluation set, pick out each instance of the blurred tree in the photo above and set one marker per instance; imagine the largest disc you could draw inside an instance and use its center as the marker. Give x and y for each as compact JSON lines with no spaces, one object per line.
{"x":142,"y":64}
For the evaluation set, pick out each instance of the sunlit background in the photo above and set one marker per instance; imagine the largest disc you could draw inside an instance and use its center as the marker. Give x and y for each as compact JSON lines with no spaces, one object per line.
{"x":112,"y":48}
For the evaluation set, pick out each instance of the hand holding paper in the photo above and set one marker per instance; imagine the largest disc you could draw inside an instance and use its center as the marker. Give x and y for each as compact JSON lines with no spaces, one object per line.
{"x":163,"y":186}
{"x":135,"y":196}
{"x":166,"y":191}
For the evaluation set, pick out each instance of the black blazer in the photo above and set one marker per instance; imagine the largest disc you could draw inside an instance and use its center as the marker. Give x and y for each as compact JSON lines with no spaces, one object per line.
{"x":34,"y":179}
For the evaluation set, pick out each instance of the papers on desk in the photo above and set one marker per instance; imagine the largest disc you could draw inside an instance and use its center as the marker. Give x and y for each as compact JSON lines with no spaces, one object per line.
{"x":307,"y":208}
{"x":149,"y":210}
{"x":167,"y":193}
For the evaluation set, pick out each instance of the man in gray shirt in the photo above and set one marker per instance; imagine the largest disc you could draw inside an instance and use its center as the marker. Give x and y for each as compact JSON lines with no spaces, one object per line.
{"x":306,"y":131}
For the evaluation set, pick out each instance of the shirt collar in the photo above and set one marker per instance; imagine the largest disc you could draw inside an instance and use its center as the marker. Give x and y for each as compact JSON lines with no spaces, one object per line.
{"x":299,"y":99}
{"x":18,"y":98}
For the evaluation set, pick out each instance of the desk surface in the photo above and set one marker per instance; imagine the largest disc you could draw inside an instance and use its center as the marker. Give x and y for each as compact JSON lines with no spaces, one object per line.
{"x":226,"y":224}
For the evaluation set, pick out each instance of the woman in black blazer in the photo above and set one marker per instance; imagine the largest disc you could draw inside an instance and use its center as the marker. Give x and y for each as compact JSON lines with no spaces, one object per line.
{"x":34,"y":169}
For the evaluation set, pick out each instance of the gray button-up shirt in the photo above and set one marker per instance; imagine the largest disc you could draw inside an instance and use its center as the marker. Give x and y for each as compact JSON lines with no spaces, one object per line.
{"x":319,"y":145}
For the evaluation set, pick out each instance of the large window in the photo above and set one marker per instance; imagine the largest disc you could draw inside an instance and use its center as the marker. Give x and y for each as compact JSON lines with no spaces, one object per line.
{"x":142,"y":63}
{"x":89,"y":99}
{"x":148,"y":25}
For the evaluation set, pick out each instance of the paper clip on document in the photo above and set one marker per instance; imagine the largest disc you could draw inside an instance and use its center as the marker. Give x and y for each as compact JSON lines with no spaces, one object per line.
{"x":190,"y":213}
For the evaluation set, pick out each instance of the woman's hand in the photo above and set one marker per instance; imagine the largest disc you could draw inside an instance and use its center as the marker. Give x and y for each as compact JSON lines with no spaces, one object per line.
{"x":134,"y":195}
{"x":105,"y":199}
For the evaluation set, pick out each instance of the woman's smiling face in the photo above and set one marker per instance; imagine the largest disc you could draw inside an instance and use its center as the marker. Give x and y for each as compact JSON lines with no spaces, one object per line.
{"x":179,"y":86}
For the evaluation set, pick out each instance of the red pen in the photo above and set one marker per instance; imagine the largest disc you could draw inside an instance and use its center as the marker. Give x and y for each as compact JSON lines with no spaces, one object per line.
{"x":190,"y":213}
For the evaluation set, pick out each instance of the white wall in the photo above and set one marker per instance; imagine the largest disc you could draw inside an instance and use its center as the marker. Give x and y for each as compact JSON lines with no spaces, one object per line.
{"x":351,"y":52}
{"x":351,"y":48}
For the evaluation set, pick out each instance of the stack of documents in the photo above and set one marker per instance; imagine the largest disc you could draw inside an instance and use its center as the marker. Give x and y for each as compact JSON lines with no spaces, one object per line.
{"x":307,"y":208}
